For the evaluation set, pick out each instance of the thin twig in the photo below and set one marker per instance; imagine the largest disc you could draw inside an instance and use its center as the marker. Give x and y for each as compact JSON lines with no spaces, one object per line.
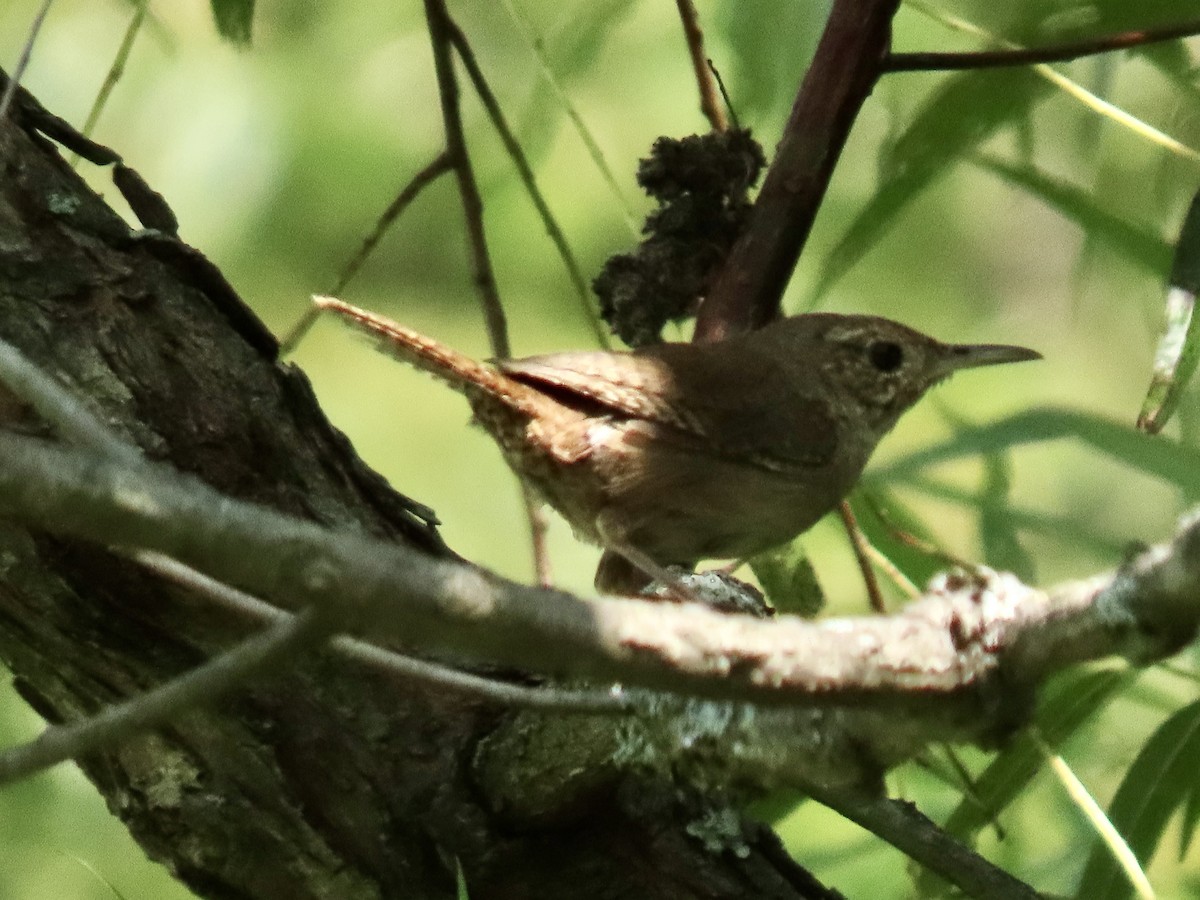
{"x":116,"y":70}
{"x":26,"y":52}
{"x":710,"y":100}
{"x":525,"y":171}
{"x":911,"y":540}
{"x":903,"y":826}
{"x":58,"y":406}
{"x":518,"y":696}
{"x":990,"y":59}
{"x":441,"y":164}
{"x":157,"y":706}
{"x":539,"y":530}
{"x":970,"y":791}
{"x":860,"y":544}
{"x":440,"y":38}
{"x":585,"y":134}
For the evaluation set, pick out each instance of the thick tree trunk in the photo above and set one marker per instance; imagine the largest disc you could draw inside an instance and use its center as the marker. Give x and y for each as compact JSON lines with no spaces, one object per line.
{"x":327,"y":780}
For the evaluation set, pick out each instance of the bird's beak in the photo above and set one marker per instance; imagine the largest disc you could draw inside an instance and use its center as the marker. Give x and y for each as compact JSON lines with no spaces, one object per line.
{"x":970,"y":356}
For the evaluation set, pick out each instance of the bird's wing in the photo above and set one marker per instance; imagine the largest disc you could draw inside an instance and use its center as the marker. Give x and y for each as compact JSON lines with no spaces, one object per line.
{"x":622,"y":384}
{"x":740,"y":404}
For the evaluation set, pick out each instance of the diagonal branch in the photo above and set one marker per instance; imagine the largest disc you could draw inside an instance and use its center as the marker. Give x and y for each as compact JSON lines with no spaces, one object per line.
{"x":994,"y":59}
{"x":204,"y":684}
{"x":710,"y":97}
{"x":966,"y":638}
{"x":441,"y":39}
{"x":847,"y":63}
{"x":441,"y":30}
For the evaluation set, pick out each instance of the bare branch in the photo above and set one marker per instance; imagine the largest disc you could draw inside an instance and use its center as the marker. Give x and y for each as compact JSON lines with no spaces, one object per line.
{"x":934,"y":663}
{"x":544,"y":698}
{"x":994,"y":59}
{"x":76,"y":423}
{"x":525,"y":171}
{"x":710,"y":97}
{"x":748,"y":291}
{"x":904,"y":827}
{"x":200,"y":685}
{"x":440,"y":38}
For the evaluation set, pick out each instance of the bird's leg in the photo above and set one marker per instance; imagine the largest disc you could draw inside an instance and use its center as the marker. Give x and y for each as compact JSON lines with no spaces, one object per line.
{"x":615,"y":577}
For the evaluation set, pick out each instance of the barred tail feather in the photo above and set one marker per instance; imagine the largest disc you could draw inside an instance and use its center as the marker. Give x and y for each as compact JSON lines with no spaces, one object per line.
{"x":460,"y":371}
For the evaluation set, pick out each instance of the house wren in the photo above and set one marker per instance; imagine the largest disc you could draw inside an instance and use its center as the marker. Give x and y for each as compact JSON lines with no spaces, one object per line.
{"x":676,"y":453}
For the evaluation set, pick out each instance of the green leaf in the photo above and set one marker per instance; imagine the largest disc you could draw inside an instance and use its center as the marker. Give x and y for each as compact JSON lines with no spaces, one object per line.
{"x":1080,"y":205}
{"x":1157,"y":456}
{"x":966,"y":111}
{"x":233,"y":19}
{"x":1162,"y":779}
{"x":883,"y":516}
{"x":1067,"y":703}
{"x":1062,"y":528}
{"x":789,"y":580}
{"x":1001,"y":547}
{"x":460,"y":881}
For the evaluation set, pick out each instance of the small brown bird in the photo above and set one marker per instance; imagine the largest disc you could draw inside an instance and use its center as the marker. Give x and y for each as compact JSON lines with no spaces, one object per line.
{"x":681,"y":452}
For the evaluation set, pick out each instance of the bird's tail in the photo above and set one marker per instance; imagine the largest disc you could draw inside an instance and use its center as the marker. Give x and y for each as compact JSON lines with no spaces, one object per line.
{"x":460,"y":371}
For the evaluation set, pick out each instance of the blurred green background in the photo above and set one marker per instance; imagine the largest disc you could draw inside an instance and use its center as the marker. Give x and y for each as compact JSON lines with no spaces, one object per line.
{"x":278,"y":158}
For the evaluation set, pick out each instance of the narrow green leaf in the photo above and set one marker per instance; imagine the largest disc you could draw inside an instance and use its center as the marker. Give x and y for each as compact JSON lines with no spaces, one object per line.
{"x":1066,"y":704}
{"x":1191,"y":816}
{"x":1159,"y":782}
{"x":1174,"y":361}
{"x":460,"y":881}
{"x":1001,"y":547}
{"x":1060,"y":527}
{"x":1114,"y":842}
{"x":884,"y":518}
{"x":1140,"y":246}
{"x":966,"y":111}
{"x":1156,"y":456}
{"x":233,"y":19}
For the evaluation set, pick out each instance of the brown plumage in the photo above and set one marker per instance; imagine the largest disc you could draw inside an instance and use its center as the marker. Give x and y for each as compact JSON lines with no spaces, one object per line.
{"x":681,"y":452}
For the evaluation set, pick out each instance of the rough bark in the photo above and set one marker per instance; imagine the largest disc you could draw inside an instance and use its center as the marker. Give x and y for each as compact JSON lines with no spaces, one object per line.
{"x":327,"y":781}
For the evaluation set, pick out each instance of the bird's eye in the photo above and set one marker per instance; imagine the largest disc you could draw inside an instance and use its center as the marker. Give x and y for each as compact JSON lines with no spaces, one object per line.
{"x":886,"y":356}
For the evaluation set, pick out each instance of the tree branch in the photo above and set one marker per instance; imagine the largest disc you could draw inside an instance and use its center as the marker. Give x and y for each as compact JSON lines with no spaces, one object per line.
{"x":969,"y":643}
{"x":995,"y":59}
{"x":748,"y":290}
{"x":204,"y":684}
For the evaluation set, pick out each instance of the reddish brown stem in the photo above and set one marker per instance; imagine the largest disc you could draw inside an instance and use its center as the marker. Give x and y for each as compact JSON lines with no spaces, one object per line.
{"x":844,"y":69}
{"x":441,"y":39}
{"x":710,"y":97}
{"x":858,"y":542}
{"x":992,"y":59}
